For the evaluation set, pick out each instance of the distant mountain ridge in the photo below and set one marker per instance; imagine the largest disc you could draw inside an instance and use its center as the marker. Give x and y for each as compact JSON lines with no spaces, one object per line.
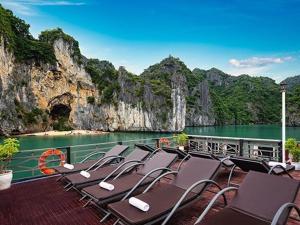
{"x":292,"y":82}
{"x":47,"y":84}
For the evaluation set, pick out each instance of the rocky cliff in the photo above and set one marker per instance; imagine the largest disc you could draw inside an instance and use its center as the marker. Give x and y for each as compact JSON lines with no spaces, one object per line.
{"x":47,"y":84}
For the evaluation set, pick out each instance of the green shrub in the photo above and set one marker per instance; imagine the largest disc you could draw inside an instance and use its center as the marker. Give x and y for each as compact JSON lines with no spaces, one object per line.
{"x":293,"y":148}
{"x":181,"y":139}
{"x":9,"y":147}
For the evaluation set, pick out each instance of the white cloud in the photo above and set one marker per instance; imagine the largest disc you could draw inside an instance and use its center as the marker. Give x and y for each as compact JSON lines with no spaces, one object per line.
{"x":48,"y":2}
{"x":256,"y":62}
{"x":18,"y":7}
{"x":26,"y":7}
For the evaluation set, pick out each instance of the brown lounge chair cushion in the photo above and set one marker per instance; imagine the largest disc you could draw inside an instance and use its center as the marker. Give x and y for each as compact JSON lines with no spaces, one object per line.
{"x":122,"y":185}
{"x":161,"y":200}
{"x":257,"y":201}
{"x":261,"y":195}
{"x":231,"y":217}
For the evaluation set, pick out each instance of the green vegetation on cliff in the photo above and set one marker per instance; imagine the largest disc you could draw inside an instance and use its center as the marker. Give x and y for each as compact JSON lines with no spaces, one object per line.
{"x":50,"y":36}
{"x":105,"y":77}
{"x":18,"y":40}
{"x":246,"y":100}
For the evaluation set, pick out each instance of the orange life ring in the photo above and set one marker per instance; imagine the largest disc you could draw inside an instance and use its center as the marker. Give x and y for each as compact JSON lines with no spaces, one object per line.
{"x":42,"y":160}
{"x":165,"y":141}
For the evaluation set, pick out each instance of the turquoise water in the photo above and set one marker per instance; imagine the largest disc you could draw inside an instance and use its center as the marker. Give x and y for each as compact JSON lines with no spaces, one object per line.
{"x":246,"y":131}
{"x":25,"y":163}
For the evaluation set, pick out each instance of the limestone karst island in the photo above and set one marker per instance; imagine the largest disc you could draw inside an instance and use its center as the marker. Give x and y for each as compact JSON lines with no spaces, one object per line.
{"x":149,"y":112}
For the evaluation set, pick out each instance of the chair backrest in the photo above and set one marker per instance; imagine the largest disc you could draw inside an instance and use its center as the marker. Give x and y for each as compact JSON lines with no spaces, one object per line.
{"x":203,"y":155}
{"x":137,"y":154}
{"x":261,"y":195}
{"x":160,"y":159}
{"x":196,"y":169}
{"x":116,"y":150}
{"x":246,"y":164}
{"x":145,"y":147}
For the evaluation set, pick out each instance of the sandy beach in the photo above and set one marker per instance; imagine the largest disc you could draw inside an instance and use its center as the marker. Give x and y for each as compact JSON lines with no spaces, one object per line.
{"x":66,"y":133}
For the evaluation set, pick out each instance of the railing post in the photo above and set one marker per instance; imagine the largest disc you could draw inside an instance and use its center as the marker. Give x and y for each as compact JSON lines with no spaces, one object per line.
{"x":241,"y":143}
{"x":280,"y":151}
{"x":157,"y":143}
{"x":68,"y":155}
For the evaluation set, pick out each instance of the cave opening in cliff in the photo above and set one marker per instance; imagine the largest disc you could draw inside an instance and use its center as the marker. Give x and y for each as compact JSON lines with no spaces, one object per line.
{"x":60,"y":111}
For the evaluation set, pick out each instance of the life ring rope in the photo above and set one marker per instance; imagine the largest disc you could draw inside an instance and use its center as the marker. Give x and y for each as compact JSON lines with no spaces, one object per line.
{"x":42,"y":160}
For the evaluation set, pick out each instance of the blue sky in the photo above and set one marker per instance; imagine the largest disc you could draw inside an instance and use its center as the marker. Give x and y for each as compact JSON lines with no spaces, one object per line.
{"x":236,"y":36}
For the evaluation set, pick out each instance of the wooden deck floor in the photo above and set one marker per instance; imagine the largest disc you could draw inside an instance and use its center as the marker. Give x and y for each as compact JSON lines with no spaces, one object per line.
{"x":44,"y":202}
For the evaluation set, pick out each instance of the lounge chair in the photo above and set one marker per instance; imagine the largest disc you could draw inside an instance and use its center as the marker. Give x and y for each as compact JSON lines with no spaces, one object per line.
{"x":261,"y":199}
{"x":164,"y":200}
{"x":87,"y":164}
{"x":77,"y":181}
{"x":226,"y":162}
{"x":258,"y":165}
{"x":146,"y":173}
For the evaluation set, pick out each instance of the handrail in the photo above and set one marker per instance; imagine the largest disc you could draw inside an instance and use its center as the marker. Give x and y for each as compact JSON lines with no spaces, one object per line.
{"x":101,"y":143}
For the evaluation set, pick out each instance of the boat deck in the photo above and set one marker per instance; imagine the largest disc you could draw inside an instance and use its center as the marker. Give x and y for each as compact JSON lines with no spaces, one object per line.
{"x":45,"y":202}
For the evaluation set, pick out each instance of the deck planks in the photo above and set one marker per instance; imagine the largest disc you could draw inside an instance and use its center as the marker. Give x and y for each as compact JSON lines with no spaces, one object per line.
{"x":44,"y":202}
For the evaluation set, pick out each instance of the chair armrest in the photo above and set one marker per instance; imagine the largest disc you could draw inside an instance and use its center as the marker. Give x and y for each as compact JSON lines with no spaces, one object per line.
{"x":107,"y":159}
{"x":90,"y":155}
{"x":182,"y":161}
{"x":144,"y":178}
{"x":128,"y":168}
{"x":282,"y":209}
{"x":280,"y":167}
{"x":104,"y":158}
{"x":212,"y":202}
{"x":158,"y":178}
{"x":119,"y":167}
{"x":192,"y":187}
{"x":230,"y":175}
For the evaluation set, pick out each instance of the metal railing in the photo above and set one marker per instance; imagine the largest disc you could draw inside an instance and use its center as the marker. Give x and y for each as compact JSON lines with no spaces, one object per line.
{"x":25,"y":164}
{"x":269,"y":149}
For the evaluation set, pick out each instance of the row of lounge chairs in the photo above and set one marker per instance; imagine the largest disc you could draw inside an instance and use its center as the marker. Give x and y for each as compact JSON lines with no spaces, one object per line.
{"x":261,"y":198}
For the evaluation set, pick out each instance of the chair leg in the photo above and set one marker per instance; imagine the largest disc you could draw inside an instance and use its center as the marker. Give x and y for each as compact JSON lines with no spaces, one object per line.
{"x":105,"y":217}
{"x":115,"y":223}
{"x":82,"y":198}
{"x":67,"y":185}
{"x":58,"y":179}
{"x":87,"y":203}
{"x":70,"y":188}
